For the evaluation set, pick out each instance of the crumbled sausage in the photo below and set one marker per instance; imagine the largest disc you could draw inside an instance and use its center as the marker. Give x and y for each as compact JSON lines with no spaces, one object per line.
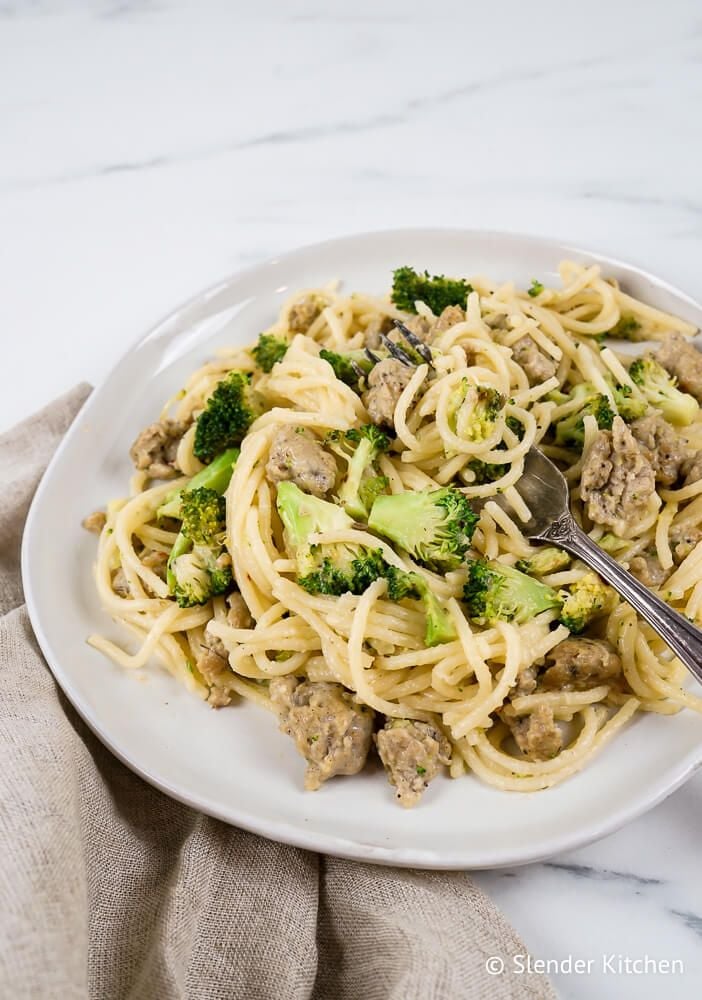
{"x":95,"y":522}
{"x":648,"y":570}
{"x":213,"y":665}
{"x":156,"y":561}
{"x":376,"y":326}
{"x":412,"y":754}
{"x":448,"y":318}
{"x":386,"y":381}
{"x":238,"y":614}
{"x":692,"y":468}
{"x":304,"y":312}
{"x":536,"y":734}
{"x":330,"y":730}
{"x":537,"y":366}
{"x":427,"y":328}
{"x":579,"y":664}
{"x":155,"y":449}
{"x":296,"y":455}
{"x":617,"y":481}
{"x":664,"y":448}
{"x":420,"y":326}
{"x":120,"y":584}
{"x":681,"y":359}
{"x":683,"y":538}
{"x":526,"y":682}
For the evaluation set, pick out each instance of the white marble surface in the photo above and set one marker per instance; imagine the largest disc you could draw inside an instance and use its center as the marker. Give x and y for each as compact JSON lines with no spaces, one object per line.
{"x":148,"y":148}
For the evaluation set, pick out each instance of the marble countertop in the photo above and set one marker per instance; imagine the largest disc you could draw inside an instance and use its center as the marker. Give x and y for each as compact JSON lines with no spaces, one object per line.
{"x":149,"y":148}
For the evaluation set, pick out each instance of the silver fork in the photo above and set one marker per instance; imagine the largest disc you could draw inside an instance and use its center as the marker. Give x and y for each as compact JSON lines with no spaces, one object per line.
{"x":545,"y":492}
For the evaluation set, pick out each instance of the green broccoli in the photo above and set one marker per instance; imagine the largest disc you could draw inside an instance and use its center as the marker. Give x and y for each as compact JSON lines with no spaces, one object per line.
{"x":494,"y":591}
{"x":229,"y":412}
{"x":202,"y":513}
{"x":570,"y":430}
{"x":200,"y":575}
{"x":584,"y":600}
{"x":340,"y":568}
{"x":438,"y":292}
{"x":660,"y":390}
{"x":544,"y":561}
{"x":214,"y":476}
{"x":484,"y":472}
{"x":439,"y":627}
{"x":473,"y":410}
{"x":360,"y":448}
{"x":323,"y":569}
{"x":629,"y":407}
{"x":613,"y":543}
{"x":434,"y":526}
{"x":535,"y":289}
{"x":269,"y":350}
{"x":628,"y":328}
{"x":351,"y":367}
{"x":516,"y":426}
{"x":198,"y":565}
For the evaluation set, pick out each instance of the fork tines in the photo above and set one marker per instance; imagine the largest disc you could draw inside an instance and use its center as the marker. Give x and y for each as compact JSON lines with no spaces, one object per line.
{"x":413,"y":340}
{"x":396,"y":351}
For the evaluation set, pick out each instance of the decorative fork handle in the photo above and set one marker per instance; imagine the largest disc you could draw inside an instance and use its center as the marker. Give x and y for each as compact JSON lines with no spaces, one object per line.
{"x":684,"y":638}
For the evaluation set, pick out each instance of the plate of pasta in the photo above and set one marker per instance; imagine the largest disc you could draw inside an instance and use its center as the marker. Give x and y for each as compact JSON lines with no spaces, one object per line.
{"x":305,"y":603}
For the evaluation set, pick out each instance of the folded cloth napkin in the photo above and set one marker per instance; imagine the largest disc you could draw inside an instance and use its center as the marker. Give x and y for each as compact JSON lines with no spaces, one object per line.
{"x":109,"y":889}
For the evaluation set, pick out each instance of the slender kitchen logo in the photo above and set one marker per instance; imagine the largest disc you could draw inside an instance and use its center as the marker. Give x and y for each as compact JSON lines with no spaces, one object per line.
{"x":612,"y":964}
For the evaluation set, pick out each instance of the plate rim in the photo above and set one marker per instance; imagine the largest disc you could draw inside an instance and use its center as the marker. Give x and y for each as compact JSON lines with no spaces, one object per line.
{"x":290,"y":833}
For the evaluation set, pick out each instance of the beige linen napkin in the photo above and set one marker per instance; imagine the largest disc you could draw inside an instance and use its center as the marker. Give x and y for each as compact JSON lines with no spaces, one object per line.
{"x":108,"y":889}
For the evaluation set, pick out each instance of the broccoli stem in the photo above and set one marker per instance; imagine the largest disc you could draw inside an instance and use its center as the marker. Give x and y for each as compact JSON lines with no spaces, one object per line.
{"x":181,"y":545}
{"x":214,"y":476}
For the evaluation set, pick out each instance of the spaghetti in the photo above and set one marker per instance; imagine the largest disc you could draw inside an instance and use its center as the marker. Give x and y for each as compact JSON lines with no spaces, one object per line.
{"x":494,"y":696}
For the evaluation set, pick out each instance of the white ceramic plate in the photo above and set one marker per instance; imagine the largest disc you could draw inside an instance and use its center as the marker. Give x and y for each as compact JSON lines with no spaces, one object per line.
{"x":233,"y":763}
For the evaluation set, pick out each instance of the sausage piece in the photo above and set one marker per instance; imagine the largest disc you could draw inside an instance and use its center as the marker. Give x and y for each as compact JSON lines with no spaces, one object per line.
{"x":297,"y":456}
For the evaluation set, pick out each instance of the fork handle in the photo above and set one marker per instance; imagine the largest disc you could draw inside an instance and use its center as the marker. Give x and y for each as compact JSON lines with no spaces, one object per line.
{"x":684,"y":638}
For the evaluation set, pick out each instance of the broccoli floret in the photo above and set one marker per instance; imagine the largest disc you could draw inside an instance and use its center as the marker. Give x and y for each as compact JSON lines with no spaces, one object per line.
{"x":340,"y":568}
{"x":343,"y":569}
{"x":544,"y":561}
{"x":202,"y":513}
{"x":570,"y":430}
{"x":660,"y":390}
{"x":630,"y":407}
{"x":628,"y":328}
{"x":351,"y":367}
{"x":438,"y":292}
{"x":494,"y":591}
{"x":214,"y":476}
{"x":434,"y":526}
{"x":230,"y":411}
{"x":370,"y":489}
{"x":439,"y":627}
{"x":360,"y":448}
{"x":269,"y":350}
{"x":585,"y":599}
{"x":473,"y":410}
{"x":199,"y":575}
{"x":198,"y":565}
{"x":516,"y":426}
{"x":322,"y":569}
{"x":535,"y":289}
{"x":613,"y":543}
{"x":484,"y":472}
